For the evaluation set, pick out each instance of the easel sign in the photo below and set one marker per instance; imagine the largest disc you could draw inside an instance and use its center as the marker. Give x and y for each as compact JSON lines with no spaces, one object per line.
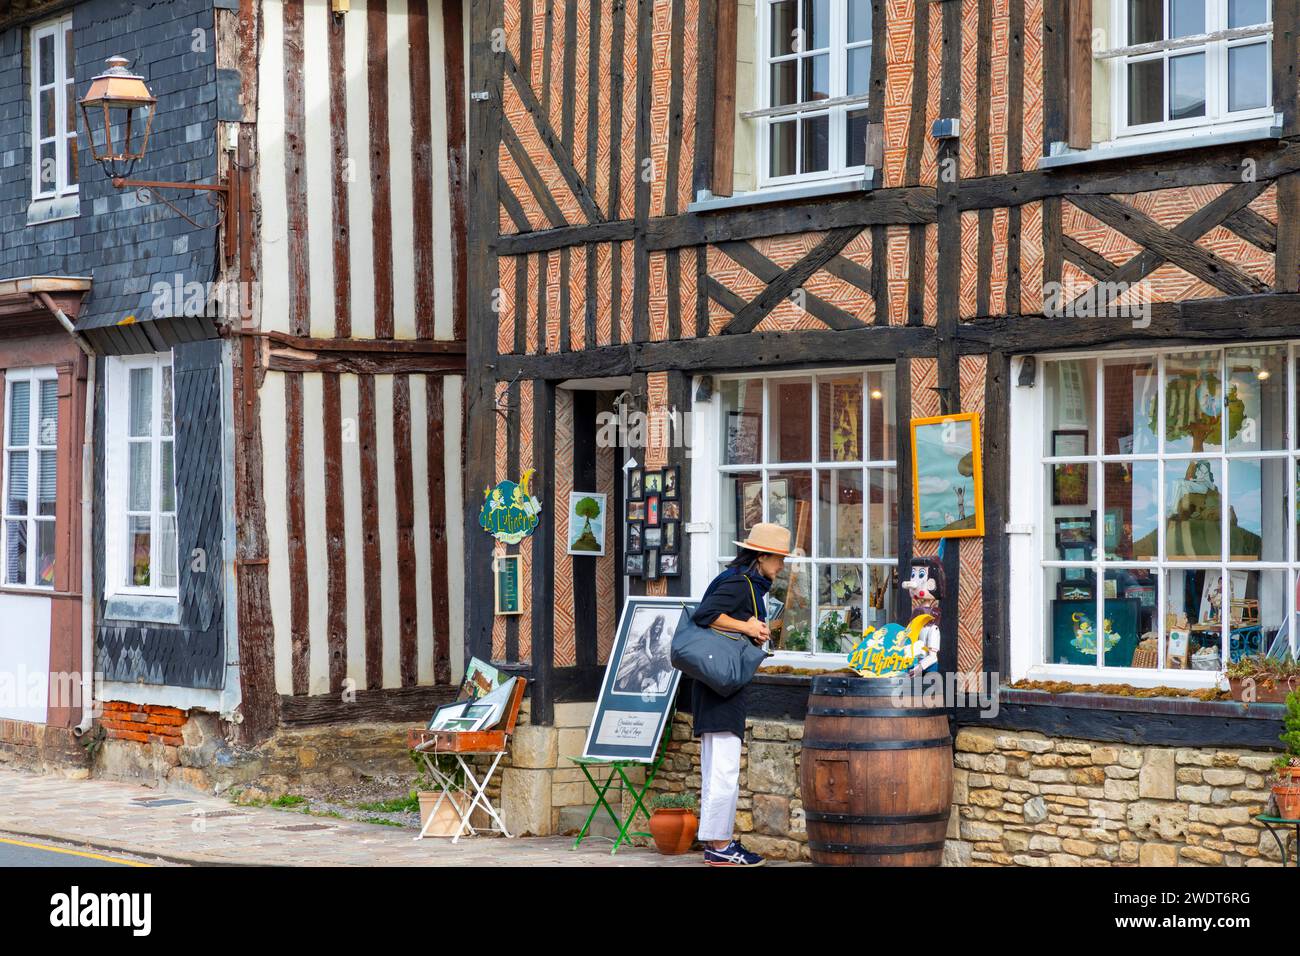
{"x":505,"y":584}
{"x":640,"y":685}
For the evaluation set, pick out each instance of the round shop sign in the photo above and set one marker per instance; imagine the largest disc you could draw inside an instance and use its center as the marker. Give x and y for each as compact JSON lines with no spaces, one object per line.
{"x":510,"y":512}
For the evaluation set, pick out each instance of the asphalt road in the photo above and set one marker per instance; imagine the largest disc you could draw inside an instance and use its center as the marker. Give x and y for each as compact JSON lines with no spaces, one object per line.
{"x":24,"y":851}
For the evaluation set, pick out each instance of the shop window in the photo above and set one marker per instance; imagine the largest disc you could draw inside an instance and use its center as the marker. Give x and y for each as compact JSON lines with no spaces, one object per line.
{"x":30,"y":477}
{"x":54,"y":110}
{"x":1168,"y":490}
{"x":140,"y":498}
{"x":815,"y":452}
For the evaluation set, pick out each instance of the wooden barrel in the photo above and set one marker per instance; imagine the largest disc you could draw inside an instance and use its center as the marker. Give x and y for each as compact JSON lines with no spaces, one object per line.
{"x":876,"y":773}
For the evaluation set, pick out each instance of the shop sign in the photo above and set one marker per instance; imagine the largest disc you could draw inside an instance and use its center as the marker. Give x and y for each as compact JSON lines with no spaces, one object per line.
{"x":510,"y":513}
{"x":505,"y":584}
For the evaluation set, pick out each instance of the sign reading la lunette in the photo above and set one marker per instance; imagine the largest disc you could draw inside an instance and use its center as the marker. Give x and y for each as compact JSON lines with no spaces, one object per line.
{"x":510,"y":513}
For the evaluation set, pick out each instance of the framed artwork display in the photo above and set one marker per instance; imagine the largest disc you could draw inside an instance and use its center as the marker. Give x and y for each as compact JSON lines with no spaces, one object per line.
{"x":670,"y":565}
{"x":670,"y":537}
{"x":947,"y":477}
{"x":634,"y":565}
{"x":654,"y":538}
{"x":672,"y":481}
{"x":636,"y":511}
{"x":505,"y":584}
{"x":1070,"y":481}
{"x":635,"y":484}
{"x":742,"y":438}
{"x":654,"y":483}
{"x":1075,"y":532}
{"x":651,"y":510}
{"x":587,"y":523}
{"x":635,"y":536}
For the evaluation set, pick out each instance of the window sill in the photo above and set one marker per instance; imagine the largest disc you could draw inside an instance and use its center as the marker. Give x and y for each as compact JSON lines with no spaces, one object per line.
{"x":144,"y":608}
{"x":54,"y":209}
{"x":1127,"y":150}
{"x":776,"y":194}
{"x":1135,"y":676}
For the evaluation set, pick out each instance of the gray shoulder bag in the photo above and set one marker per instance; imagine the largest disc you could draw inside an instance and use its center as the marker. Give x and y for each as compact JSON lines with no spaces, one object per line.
{"x":721,"y":660}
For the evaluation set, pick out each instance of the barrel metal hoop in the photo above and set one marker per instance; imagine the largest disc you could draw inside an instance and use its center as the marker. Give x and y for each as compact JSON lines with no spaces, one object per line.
{"x":899,"y":819}
{"x":920,"y":744}
{"x":876,"y":712}
{"x":882,"y":849}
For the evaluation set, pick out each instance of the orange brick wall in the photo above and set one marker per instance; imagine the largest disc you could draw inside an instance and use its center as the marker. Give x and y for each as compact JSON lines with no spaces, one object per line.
{"x":146,"y":723}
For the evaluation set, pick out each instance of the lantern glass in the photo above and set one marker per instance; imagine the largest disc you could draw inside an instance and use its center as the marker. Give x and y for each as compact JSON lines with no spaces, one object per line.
{"x":118,"y":110}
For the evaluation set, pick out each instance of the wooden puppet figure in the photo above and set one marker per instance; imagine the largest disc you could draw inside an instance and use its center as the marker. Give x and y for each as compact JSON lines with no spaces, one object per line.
{"x":925,"y":585}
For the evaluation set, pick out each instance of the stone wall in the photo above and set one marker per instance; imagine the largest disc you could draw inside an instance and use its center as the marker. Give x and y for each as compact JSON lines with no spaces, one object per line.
{"x":26,"y":745}
{"x":1023,"y":799}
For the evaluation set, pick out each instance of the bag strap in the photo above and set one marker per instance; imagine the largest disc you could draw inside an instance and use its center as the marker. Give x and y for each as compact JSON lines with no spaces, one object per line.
{"x":752,"y":597}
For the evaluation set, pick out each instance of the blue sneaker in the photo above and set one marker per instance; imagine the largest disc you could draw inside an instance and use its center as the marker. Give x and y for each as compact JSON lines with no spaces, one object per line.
{"x":733,"y":854}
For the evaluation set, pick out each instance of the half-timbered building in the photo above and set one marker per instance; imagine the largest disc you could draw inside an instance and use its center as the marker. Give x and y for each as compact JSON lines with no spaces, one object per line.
{"x":793,"y":227}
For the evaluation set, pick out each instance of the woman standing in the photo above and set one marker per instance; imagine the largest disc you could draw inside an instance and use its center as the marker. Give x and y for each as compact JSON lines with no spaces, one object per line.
{"x":732,"y":602}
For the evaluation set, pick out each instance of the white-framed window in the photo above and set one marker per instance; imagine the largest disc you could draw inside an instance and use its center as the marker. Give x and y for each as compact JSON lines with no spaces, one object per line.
{"x":1162,"y":489}
{"x":54,"y":110}
{"x":1188,"y":64}
{"x":140,"y":492}
{"x":814,"y":451}
{"x":30,"y":477}
{"x":813,"y":64}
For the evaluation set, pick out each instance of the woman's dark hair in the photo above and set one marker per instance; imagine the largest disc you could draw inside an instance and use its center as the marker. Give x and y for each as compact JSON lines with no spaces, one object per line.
{"x":747,"y":558}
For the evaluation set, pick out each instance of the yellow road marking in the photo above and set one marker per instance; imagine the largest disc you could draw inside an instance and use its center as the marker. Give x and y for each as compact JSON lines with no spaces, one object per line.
{"x":81,"y":853}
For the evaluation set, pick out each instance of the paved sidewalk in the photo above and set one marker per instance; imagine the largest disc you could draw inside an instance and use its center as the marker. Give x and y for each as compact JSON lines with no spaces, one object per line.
{"x":185,"y":828}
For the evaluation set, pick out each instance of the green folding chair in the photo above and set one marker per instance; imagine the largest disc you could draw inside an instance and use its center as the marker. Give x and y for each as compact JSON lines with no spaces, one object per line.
{"x":618,"y":771}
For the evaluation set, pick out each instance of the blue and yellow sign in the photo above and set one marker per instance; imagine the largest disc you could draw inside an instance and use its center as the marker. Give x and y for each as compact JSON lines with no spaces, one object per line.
{"x":891,"y":650}
{"x":510,"y":513}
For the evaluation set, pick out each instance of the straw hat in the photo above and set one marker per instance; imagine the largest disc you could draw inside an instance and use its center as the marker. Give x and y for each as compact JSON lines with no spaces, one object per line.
{"x":767,"y":537}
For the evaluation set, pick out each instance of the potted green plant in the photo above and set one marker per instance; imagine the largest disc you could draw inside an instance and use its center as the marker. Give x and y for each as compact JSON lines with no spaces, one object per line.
{"x":447,"y":818}
{"x":1264,"y":680}
{"x":1286,"y":784}
{"x":673,"y":823}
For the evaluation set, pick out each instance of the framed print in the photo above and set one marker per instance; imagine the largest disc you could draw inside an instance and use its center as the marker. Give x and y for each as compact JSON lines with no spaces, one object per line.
{"x":947,"y":477}
{"x":654,"y":483}
{"x":587,"y":523}
{"x":1075,"y":532}
{"x":749,"y":505}
{"x":640,"y":683}
{"x":634,"y":565}
{"x":672,"y":478}
{"x":1075,"y":553}
{"x":1111,"y":525}
{"x":1074,"y":591}
{"x":1069,"y":443}
{"x":652,"y":565}
{"x":635,"y":535}
{"x":1070,"y":482}
{"x":651,"y":510}
{"x":654,"y":538}
{"x":671,"y":510}
{"x":505,"y":584}
{"x":635,"y":488}
{"x":1074,"y":631}
{"x":636,"y":511}
{"x":670,"y":565}
{"x":670,"y":537}
{"x":778,"y":502}
{"x":742,"y":438}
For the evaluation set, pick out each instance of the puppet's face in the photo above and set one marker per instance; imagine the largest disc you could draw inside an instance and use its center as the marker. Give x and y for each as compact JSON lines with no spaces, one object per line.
{"x":921,"y":583}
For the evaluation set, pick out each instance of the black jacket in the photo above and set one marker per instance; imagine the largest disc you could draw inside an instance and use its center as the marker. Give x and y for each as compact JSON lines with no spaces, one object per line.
{"x":727,"y":594}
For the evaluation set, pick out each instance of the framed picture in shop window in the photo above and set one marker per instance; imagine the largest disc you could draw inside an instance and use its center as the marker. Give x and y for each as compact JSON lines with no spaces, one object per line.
{"x":1070,"y":482}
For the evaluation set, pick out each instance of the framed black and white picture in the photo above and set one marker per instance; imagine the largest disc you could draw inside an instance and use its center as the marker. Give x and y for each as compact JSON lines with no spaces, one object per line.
{"x":640,"y":683}
{"x":635,"y":486}
{"x":672,"y":479}
{"x":651,"y":565}
{"x":670,"y":545}
{"x":634,"y":565}
{"x":635,"y":535}
{"x":654,"y":538}
{"x":670,"y":565}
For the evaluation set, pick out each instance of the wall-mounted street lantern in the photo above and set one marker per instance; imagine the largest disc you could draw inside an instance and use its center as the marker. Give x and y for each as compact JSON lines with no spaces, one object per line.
{"x":120,"y":100}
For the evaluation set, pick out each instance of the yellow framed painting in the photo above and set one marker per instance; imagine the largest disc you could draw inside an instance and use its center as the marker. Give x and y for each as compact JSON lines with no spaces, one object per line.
{"x":947,"y":477}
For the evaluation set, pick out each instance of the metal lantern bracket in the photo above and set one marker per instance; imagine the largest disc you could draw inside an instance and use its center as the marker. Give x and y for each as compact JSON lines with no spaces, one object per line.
{"x":221,"y":196}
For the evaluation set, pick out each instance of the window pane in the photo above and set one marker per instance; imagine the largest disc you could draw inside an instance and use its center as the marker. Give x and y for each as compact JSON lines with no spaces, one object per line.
{"x":1130,"y":523}
{"x":1186,"y":18}
{"x":16,"y":503}
{"x":785,"y":83}
{"x":741,"y":509}
{"x":1257,"y":488}
{"x":859,"y":70}
{"x":167,"y":478}
{"x":45,"y":554}
{"x":20,"y":413}
{"x":166,"y":429}
{"x":793,"y":586}
{"x":816,"y":24}
{"x":69,"y":55}
{"x":855,"y":138}
{"x":1248,"y":77}
{"x":1071,"y":509}
{"x":1146,"y":92}
{"x":15,"y":552}
{"x":816,"y":78}
{"x":1132,"y":414}
{"x":882,"y":586}
{"x":141,"y":400}
{"x":1193,"y":400}
{"x":839,"y":607}
{"x":839,"y":506}
{"x":781,"y":146}
{"x":48,"y":414}
{"x":138,"y":538}
{"x":790,"y":425}
{"x":1071,"y":408}
{"x":1193,"y":509}
{"x":1256,"y":398}
{"x":1186,"y":86}
{"x":49,"y":113}
{"x":48,"y":470}
{"x":882,"y":513}
{"x":49,"y":169}
{"x":839,"y":418}
{"x":72,"y":159}
{"x":790,"y":504}
{"x":46,"y":56}
{"x":742,"y":421}
{"x":1247,"y":13}
{"x":783,"y":26}
{"x":816,"y":151}
{"x":859,"y":20}
{"x":141,"y":468}
{"x":1256,"y":608}
{"x":167,"y":551}
{"x":1145,"y":21}
{"x":881,"y":419}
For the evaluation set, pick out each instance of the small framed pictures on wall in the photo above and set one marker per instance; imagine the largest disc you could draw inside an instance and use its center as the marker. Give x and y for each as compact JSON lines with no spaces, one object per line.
{"x":636,"y":511}
{"x":634,"y":565}
{"x":670,"y":565}
{"x":651,"y":510}
{"x":635,"y":484}
{"x":654,"y":512}
{"x":672,"y":479}
{"x":635,"y":536}
{"x":653,"y":538}
{"x":670,"y":534}
{"x":654,"y":482}
{"x":651,"y":565}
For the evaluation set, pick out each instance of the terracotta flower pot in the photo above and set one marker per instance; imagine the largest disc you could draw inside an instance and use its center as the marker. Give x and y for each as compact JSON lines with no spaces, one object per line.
{"x":1287,"y":793}
{"x":673,"y":830}
{"x":1266,"y":691}
{"x":447,"y":822}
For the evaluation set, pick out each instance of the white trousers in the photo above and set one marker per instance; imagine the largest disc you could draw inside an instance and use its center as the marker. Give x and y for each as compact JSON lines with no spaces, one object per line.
{"x":719,"y":785}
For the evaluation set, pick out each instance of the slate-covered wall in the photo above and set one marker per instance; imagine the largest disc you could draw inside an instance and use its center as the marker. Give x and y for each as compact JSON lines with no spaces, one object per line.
{"x":124,"y":245}
{"x":191,"y":653}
